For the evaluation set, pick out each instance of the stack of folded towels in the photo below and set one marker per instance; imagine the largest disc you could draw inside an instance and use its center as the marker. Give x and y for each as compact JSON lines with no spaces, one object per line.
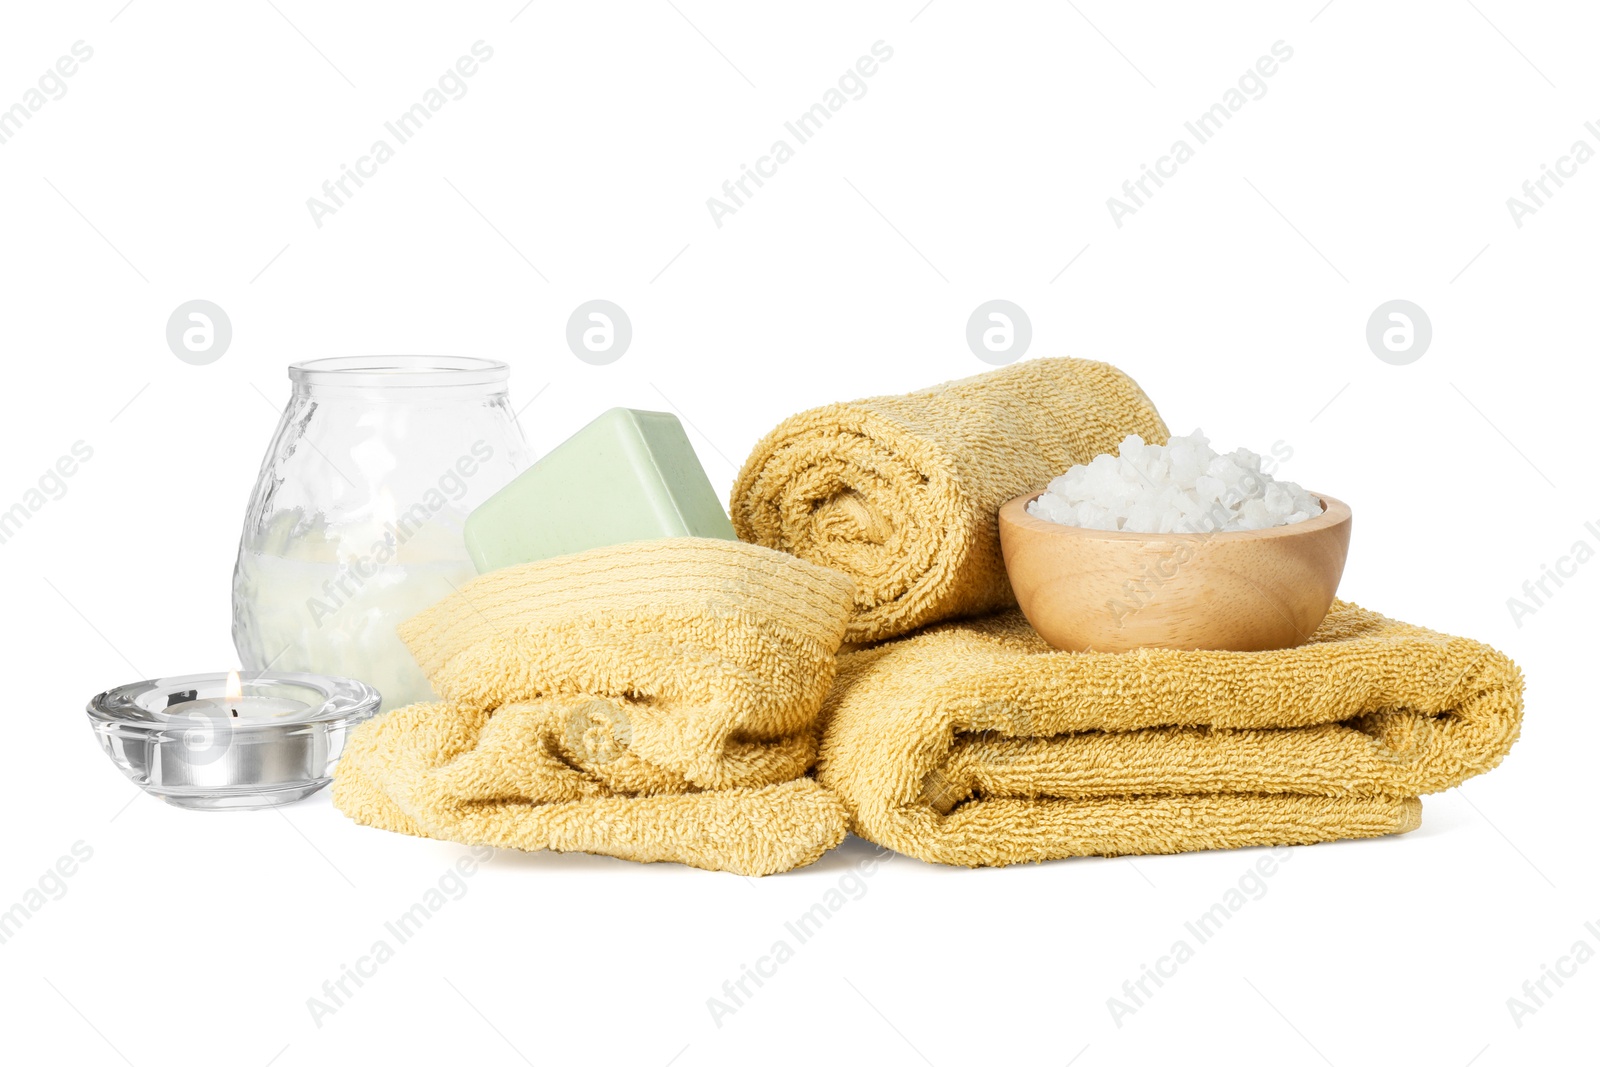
{"x":688,"y":699}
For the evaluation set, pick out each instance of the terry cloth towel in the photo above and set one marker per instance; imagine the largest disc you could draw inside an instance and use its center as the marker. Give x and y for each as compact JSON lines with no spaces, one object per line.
{"x":652,"y":701}
{"x":976,"y":743}
{"x":901,"y":492}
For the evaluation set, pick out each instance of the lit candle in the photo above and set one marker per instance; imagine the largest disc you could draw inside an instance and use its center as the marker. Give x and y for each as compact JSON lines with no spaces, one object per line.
{"x":235,"y":706}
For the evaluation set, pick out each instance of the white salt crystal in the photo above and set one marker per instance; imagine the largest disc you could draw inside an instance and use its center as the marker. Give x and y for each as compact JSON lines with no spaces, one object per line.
{"x":1278,"y":499}
{"x":1253,"y":515}
{"x":1184,"y":486}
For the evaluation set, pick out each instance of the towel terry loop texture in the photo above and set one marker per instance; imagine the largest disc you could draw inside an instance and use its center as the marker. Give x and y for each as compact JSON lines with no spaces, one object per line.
{"x":902,"y":492}
{"x":976,"y":743}
{"x":653,"y":701}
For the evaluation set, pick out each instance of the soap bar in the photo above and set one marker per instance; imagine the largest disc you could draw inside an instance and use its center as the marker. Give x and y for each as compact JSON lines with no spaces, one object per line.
{"x":627,"y":476}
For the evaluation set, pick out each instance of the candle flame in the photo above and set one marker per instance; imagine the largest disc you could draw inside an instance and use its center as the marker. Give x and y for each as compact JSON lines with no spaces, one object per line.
{"x":235,"y":690}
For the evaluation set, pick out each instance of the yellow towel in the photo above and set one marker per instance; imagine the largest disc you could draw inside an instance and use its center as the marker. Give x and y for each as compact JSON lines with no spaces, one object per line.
{"x":653,"y":701}
{"x":901,"y":492}
{"x":975,"y":743}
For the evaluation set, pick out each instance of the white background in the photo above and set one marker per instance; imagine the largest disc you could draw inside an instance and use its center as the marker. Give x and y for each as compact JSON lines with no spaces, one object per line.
{"x":978,"y":164}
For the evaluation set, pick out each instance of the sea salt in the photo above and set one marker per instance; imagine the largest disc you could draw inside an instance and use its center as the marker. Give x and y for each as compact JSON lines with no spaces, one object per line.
{"x":1184,"y":486}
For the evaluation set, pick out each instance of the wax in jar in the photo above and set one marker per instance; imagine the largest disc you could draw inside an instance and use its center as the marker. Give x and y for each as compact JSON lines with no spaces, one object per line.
{"x":328,"y":604}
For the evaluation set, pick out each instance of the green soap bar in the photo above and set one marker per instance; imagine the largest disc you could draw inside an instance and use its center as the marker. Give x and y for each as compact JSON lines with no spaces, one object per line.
{"x":627,"y":476}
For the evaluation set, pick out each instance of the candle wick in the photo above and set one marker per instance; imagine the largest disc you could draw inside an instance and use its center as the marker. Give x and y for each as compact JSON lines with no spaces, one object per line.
{"x":235,"y":712}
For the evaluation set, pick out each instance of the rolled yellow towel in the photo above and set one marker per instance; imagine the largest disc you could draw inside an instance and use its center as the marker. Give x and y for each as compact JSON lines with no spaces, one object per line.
{"x":975,"y":743}
{"x":901,"y":492}
{"x":653,"y":701}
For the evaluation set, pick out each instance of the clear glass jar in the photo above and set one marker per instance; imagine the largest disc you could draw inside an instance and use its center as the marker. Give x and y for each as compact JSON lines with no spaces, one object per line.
{"x":355,"y":523}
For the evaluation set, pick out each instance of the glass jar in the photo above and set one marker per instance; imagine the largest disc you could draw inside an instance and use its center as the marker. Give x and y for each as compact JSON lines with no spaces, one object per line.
{"x":355,"y":522}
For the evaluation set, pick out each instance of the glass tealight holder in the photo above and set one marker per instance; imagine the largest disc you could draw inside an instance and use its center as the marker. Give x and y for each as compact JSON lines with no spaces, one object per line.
{"x":216,"y":742}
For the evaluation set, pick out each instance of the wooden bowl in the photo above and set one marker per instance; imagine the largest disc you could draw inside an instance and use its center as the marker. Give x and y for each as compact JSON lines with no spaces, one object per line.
{"x":1108,"y":591}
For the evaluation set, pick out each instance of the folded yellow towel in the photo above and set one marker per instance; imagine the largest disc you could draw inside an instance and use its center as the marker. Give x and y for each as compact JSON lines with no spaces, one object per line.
{"x":653,"y":701}
{"x":901,"y":492}
{"x":975,"y":743}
